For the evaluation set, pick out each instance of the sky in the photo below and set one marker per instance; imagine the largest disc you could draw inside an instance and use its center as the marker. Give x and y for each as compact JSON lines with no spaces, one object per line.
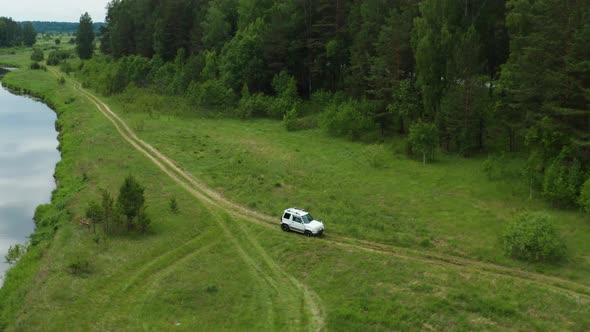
{"x":53,"y":10}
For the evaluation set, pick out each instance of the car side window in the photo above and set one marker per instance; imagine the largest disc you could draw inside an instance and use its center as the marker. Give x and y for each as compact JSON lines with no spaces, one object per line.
{"x":297,"y":219}
{"x":287,"y":216}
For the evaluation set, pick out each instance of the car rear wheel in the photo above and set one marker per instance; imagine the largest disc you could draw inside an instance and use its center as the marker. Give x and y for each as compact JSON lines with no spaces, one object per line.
{"x":285,"y":227}
{"x":308,"y":234}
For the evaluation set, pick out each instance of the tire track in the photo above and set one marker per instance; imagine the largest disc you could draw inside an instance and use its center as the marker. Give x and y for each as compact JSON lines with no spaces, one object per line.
{"x":276,"y":275}
{"x":202,"y":192}
{"x":577,"y":290}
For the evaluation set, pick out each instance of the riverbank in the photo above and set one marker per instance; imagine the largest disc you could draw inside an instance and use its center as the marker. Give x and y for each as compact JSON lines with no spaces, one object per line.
{"x":28,"y":154}
{"x":20,"y":275}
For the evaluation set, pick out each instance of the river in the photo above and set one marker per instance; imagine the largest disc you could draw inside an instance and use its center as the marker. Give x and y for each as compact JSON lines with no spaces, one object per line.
{"x":28,"y":154}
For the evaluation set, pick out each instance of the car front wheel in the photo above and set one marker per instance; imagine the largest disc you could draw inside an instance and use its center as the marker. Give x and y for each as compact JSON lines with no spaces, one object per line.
{"x":285,"y":227}
{"x":308,"y":234}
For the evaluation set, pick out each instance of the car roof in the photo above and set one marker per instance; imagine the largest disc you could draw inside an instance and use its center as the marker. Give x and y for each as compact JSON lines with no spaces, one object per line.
{"x":297,"y":211}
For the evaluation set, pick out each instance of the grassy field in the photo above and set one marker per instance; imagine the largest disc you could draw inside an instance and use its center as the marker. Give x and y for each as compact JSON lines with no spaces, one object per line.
{"x":204,"y":269}
{"x":359,"y":190}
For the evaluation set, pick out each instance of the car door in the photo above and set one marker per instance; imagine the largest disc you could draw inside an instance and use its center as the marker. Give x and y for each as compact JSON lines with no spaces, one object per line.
{"x":297,"y":224}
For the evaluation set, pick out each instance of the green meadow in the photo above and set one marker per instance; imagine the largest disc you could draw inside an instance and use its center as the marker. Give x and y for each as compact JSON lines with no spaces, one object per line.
{"x":206,"y":268}
{"x":366,"y":191}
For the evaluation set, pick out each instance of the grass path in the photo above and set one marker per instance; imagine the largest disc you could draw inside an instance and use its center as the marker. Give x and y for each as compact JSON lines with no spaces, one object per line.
{"x":214,"y":199}
{"x":294,"y":294}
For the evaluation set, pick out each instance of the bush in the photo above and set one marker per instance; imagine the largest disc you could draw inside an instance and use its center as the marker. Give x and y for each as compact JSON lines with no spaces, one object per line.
{"x":256,"y":105}
{"x":562,"y":181}
{"x":285,"y":86}
{"x":279,"y":106}
{"x":79,"y":265}
{"x":35,"y":66}
{"x":173,"y":205}
{"x":143,"y":220}
{"x":290,"y":120}
{"x":131,"y":200}
{"x":37,"y":55}
{"x":532,"y":237}
{"x":584,"y":199}
{"x":423,"y":139}
{"x":66,"y":67}
{"x":347,"y":119}
{"x":212,"y":93}
{"x":56,"y":57}
{"x":15,"y":253}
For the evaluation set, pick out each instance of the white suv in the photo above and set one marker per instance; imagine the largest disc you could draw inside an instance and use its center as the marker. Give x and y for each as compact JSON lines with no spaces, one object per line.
{"x":301,"y":221}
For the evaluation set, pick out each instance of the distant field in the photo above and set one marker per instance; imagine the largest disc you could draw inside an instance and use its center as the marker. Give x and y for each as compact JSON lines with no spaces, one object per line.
{"x":202,"y":269}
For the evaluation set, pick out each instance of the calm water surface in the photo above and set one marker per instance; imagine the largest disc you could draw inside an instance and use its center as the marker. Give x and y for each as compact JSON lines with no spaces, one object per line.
{"x":28,"y":154}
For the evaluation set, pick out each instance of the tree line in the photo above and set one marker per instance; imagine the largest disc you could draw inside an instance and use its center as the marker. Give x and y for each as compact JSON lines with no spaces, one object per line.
{"x":59,"y":27}
{"x":467,"y":76}
{"x":16,"y":34}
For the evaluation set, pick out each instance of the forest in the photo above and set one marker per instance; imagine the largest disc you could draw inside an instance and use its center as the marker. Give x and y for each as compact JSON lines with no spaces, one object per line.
{"x":465,"y":77}
{"x":58,"y":27}
{"x":15,"y":34}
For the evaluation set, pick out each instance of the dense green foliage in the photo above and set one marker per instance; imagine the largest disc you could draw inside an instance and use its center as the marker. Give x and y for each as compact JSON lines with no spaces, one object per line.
{"x":584,"y":200}
{"x":131,"y":203}
{"x":37,"y":55}
{"x":470,"y":67}
{"x":15,"y":34}
{"x":15,"y":253}
{"x":125,"y":213}
{"x":59,"y":27}
{"x":29,"y":35}
{"x":58,"y":56}
{"x":532,"y":237}
{"x":85,"y":37}
{"x":422,"y":140}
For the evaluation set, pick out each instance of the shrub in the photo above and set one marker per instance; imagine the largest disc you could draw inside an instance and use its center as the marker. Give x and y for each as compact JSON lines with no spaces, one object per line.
{"x":66,"y":67}
{"x":143,"y":220}
{"x":56,"y":57}
{"x":532,"y":237}
{"x":346,"y":119}
{"x":173,"y":205}
{"x":131,"y":199}
{"x":279,"y":106}
{"x":61,"y":80}
{"x":285,"y":86}
{"x":290,"y":120}
{"x":94,"y":212}
{"x":15,"y":253}
{"x":562,"y":181}
{"x":37,"y":55}
{"x":423,"y":139}
{"x":35,"y":66}
{"x":256,"y":105}
{"x":79,"y":265}
{"x":211,"y":93}
{"x":584,"y":199}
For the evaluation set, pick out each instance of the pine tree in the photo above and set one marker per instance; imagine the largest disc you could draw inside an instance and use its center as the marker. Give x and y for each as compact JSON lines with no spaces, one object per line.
{"x":29,"y":35}
{"x":85,"y":37}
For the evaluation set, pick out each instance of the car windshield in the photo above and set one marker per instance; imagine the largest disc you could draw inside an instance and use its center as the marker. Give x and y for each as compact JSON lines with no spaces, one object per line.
{"x":307,"y":218}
